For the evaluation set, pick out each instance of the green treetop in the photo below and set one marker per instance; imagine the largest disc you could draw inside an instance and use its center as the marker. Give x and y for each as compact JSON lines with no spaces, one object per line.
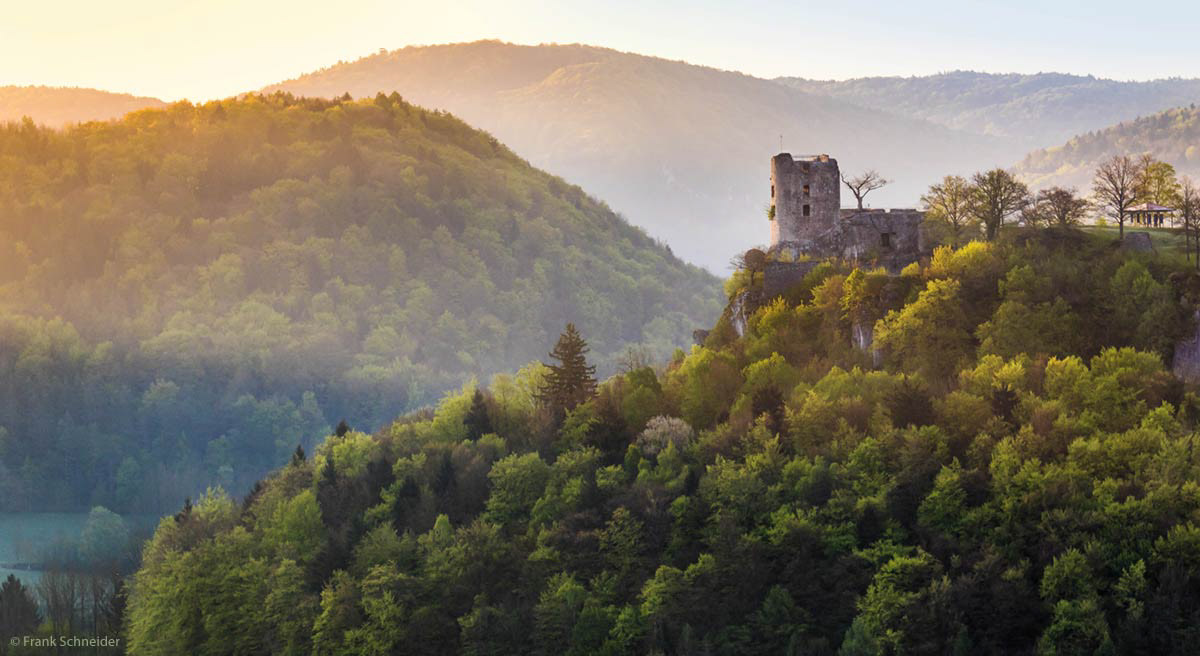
{"x":573,"y":380}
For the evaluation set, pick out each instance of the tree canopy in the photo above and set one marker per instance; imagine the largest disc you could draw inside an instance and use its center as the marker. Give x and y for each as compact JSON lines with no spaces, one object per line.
{"x":188,"y":293}
{"x":1016,"y":476}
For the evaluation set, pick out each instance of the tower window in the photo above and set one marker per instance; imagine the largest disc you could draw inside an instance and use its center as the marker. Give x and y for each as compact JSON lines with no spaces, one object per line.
{"x":807,"y":210}
{"x":885,"y":239}
{"x":772,"y":191}
{"x":806,"y":194}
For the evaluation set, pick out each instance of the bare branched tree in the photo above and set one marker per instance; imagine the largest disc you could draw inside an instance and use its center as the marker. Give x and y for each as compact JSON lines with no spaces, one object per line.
{"x":998,"y":195}
{"x":948,"y":204}
{"x":1113,"y":188}
{"x":863,"y":184}
{"x":1189,"y":214}
{"x":1057,"y":207}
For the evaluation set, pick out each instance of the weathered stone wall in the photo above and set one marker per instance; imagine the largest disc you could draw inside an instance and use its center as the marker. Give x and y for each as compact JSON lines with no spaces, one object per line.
{"x":892,"y":239}
{"x":813,"y":183}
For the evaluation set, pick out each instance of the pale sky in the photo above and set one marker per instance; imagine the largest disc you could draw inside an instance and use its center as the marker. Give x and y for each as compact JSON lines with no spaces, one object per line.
{"x":215,"y":48}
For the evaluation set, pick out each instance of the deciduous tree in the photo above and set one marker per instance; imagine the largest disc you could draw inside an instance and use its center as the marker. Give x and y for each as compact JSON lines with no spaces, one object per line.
{"x":1056,"y":207}
{"x":948,"y":204}
{"x":864,"y":183}
{"x":1114,"y":186}
{"x":997,"y":196}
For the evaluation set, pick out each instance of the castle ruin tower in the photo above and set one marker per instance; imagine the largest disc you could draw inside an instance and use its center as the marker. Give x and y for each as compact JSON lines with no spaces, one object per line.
{"x":806,"y":199}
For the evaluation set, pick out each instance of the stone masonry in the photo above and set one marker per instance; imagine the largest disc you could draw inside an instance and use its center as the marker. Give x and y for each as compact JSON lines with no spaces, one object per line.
{"x":807,"y":223}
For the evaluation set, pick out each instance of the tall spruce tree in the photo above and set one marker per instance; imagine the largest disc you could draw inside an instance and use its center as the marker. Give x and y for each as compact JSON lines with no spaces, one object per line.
{"x":18,"y":611}
{"x":573,"y":380}
{"x":478,"y":420}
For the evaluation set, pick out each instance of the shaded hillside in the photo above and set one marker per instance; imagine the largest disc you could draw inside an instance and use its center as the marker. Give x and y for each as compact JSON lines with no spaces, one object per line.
{"x":1035,"y":110}
{"x":1172,"y":136}
{"x":59,"y":106}
{"x":1020,"y":478}
{"x":679,"y":149}
{"x":188,"y":293}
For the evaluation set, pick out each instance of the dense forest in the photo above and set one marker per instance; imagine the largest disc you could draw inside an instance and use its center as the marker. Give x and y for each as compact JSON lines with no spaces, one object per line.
{"x":1172,"y":136}
{"x":61,"y":106}
{"x":679,"y":149}
{"x":188,"y":293}
{"x":1030,"y":110}
{"x":1007,"y":468}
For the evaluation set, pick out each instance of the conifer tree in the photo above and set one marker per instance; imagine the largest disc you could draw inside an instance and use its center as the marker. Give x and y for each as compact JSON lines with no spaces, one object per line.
{"x":18,"y":611}
{"x":573,"y":380}
{"x":298,"y":456}
{"x":478,"y":421}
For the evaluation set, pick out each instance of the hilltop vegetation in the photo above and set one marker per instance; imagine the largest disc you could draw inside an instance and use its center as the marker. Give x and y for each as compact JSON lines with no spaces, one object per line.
{"x":1172,"y":136}
{"x":1031,"y":111}
{"x":680,"y":150}
{"x":186,"y":294}
{"x":1020,"y":476}
{"x":60,"y":106}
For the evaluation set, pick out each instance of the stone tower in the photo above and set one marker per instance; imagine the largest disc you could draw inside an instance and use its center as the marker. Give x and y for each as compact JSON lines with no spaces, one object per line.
{"x":806,"y":196}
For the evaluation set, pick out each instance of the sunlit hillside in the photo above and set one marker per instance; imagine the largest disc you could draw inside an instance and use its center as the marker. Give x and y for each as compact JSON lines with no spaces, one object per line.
{"x":1172,"y":136}
{"x":189,"y":293}
{"x":59,"y":106}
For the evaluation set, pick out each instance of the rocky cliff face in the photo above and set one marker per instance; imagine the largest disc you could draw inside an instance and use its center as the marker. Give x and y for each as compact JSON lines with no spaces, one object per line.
{"x":1186,"y":364}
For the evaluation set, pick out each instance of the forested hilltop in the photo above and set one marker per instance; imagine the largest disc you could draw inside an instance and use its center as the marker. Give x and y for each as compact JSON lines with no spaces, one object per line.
{"x":1019,"y":475}
{"x":1172,"y":136}
{"x":187,"y":293}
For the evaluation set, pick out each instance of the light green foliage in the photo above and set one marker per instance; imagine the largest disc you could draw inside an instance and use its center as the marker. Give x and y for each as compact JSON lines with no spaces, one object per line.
{"x":294,"y":529}
{"x":517,"y":483}
{"x":929,"y":336}
{"x":1032,"y":492}
{"x":351,"y":453}
{"x":1068,"y":577}
{"x":706,"y":384}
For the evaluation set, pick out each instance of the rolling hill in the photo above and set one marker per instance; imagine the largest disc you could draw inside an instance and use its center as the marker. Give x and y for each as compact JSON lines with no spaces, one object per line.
{"x":1172,"y":136}
{"x":60,"y":106}
{"x":187,"y":293}
{"x":1033,"y":111}
{"x":681,"y":150}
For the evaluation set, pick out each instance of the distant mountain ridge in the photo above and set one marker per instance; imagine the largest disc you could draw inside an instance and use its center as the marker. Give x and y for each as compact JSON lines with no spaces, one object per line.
{"x":1035,"y":110}
{"x":681,"y":150}
{"x":59,"y":106}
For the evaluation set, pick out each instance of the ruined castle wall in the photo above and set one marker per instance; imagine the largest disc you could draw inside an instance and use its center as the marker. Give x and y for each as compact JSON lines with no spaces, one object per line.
{"x":892,"y":238}
{"x":806,"y":195}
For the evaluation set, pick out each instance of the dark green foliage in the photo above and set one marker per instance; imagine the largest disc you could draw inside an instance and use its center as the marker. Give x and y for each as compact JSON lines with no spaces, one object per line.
{"x":478,"y":422}
{"x":188,"y":292}
{"x":572,"y":380}
{"x":19,"y":615}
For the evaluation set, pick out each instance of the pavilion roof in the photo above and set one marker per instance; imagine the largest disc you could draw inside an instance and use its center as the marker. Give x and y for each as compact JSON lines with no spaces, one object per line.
{"x":1150,"y":207}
